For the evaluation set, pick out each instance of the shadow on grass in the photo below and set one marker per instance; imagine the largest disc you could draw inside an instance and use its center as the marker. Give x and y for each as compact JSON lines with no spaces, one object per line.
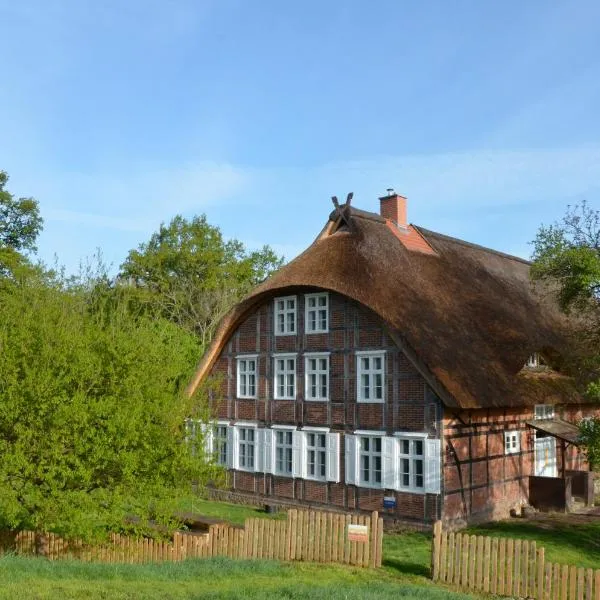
{"x":406,"y":567}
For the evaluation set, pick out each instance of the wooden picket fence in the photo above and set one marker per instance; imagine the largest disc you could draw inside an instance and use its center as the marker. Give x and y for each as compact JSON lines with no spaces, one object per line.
{"x":305,"y":535}
{"x":507,"y":567}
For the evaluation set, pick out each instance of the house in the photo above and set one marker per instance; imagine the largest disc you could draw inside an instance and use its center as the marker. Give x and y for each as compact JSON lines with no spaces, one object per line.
{"x":396,"y":369}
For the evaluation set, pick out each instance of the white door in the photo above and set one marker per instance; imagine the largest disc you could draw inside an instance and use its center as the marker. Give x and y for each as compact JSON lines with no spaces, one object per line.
{"x":545,"y":457}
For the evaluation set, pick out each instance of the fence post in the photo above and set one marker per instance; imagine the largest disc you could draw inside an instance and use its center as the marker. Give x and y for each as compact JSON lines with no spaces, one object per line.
{"x":540,"y":573}
{"x":435,"y":558}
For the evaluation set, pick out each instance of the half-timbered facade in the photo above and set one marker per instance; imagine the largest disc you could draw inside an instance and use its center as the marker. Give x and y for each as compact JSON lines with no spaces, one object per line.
{"x":395,"y":369}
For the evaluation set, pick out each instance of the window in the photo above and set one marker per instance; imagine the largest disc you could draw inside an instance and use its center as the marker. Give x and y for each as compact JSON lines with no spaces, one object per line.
{"x":220,"y":447}
{"x":316,"y":454}
{"x":370,"y":376}
{"x":511,"y":442}
{"x":412,"y":457}
{"x":285,"y":315}
{"x":195,"y":432}
{"x":317,"y":313}
{"x":285,"y":376}
{"x":317,"y":376}
{"x":246,"y":448}
{"x":284,"y":453}
{"x":544,"y":411}
{"x":406,"y":461}
{"x":246,"y":376}
{"x":370,"y":461}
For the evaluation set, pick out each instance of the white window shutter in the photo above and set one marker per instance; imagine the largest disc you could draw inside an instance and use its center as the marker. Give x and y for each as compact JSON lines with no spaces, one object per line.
{"x":389,"y":459}
{"x":433,"y":461}
{"x":233,"y":450}
{"x":269,"y":443}
{"x":351,"y":462}
{"x":333,"y":457}
{"x":259,"y":450}
{"x":207,"y":430}
{"x":298,"y":454}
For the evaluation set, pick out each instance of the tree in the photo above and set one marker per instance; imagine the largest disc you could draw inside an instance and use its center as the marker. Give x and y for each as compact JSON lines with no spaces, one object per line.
{"x":189,"y":274}
{"x":20,"y":225}
{"x":567,"y":258}
{"x":568,"y":254}
{"x":589,"y":437}
{"x":92,"y":409}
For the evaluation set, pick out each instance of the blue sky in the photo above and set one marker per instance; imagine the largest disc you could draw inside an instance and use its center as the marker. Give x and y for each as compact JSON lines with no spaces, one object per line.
{"x":118,"y":115}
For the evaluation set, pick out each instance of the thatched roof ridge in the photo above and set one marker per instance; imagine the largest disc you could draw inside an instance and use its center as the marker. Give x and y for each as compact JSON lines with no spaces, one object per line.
{"x":467,"y":316}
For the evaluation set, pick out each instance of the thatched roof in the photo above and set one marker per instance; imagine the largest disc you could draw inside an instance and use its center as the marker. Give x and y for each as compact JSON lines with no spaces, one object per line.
{"x":467,"y":316}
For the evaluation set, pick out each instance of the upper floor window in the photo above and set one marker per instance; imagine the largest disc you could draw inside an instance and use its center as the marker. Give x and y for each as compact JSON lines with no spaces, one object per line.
{"x":317,"y":376}
{"x":370,"y":371}
{"x":317,"y":313}
{"x":544,"y":411}
{"x":285,"y":376}
{"x":511,"y":442}
{"x":246,"y":376}
{"x":285,"y":315}
{"x":412,"y":458}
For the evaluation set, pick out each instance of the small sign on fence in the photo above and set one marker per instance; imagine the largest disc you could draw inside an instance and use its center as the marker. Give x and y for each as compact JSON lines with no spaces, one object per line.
{"x":358,"y":533}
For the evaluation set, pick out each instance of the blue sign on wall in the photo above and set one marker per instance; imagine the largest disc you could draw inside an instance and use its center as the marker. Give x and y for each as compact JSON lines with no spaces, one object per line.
{"x":389,"y":502}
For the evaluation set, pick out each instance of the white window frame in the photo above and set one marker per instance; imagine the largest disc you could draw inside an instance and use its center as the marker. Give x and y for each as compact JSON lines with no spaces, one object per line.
{"x":286,"y":446}
{"x":308,"y":356}
{"x":290,"y":326}
{"x":308,"y":431}
{"x":245,"y":358}
{"x":238,"y":440}
{"x":195,"y":428}
{"x":370,"y":354}
{"x":360,"y":453}
{"x":413,"y":458}
{"x":543,"y":411}
{"x":316,"y":309}
{"x":285,"y":357}
{"x":220,"y":444}
{"x":512,"y":442}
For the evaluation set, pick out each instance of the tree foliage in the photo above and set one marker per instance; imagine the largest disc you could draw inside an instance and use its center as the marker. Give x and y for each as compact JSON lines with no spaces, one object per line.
{"x":189,"y":274}
{"x":568,"y":253}
{"x":567,"y":257}
{"x":589,"y":437}
{"x":20,"y":225}
{"x":92,"y":409}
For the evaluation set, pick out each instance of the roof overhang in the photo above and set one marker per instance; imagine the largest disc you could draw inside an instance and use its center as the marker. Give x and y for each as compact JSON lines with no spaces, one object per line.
{"x":557,"y":428}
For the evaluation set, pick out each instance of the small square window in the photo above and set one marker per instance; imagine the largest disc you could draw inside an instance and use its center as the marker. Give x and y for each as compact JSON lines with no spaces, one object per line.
{"x":544,"y":411}
{"x":512,"y":442}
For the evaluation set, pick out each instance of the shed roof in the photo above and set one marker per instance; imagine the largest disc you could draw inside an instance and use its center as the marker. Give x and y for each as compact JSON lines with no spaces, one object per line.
{"x":468,"y":317}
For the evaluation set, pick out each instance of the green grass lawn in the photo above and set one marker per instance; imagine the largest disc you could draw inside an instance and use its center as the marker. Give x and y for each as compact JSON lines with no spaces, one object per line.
{"x":35,"y":578}
{"x":233,"y":513}
{"x":567,"y":540}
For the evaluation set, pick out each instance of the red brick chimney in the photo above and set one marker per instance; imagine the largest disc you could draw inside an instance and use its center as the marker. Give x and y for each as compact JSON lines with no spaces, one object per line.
{"x":393,"y":207}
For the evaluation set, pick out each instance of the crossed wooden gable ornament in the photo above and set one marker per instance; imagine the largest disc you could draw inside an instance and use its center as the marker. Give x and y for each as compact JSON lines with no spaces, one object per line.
{"x":342,"y":212}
